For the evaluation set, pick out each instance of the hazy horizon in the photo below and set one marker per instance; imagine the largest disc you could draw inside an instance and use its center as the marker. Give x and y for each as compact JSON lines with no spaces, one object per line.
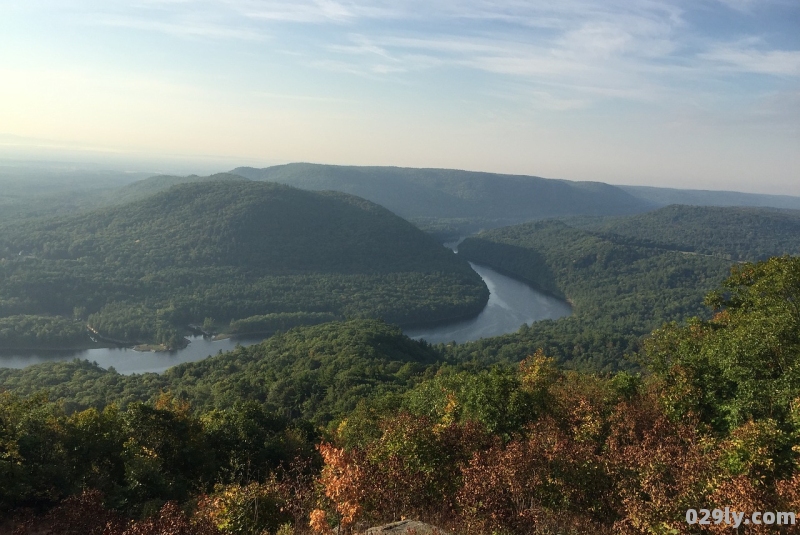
{"x":692,"y":95}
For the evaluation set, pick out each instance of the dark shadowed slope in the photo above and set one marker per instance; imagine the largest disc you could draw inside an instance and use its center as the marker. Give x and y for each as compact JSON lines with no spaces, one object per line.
{"x":225,"y":251}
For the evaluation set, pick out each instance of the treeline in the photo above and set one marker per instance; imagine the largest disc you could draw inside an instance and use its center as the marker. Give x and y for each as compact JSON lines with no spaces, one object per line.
{"x":453,"y":202}
{"x":230,"y":250}
{"x":269,"y":323}
{"x":735,"y":233}
{"x":624,"y":276}
{"x":132,"y":323}
{"x":521,"y":449}
{"x":31,"y":331}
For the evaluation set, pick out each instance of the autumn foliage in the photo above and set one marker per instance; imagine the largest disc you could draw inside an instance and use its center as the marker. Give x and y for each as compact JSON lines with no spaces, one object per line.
{"x":714,"y":422}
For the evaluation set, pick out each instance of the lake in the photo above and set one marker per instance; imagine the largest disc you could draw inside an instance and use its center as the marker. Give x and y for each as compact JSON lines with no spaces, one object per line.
{"x":511,"y":303}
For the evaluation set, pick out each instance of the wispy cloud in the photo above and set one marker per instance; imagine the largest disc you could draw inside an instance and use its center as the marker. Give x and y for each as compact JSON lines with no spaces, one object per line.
{"x":316,"y":11}
{"x":303,"y":98}
{"x":590,"y":50}
{"x":184,"y":28}
{"x":747,"y":57}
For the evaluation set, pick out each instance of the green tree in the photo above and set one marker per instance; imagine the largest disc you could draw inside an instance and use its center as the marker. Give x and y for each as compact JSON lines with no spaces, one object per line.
{"x":744,"y":363}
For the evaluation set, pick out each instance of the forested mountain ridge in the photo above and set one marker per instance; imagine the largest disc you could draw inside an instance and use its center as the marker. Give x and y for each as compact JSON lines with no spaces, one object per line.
{"x":155,"y":184}
{"x":736,"y":233}
{"x":463,"y":201}
{"x":229,"y":250}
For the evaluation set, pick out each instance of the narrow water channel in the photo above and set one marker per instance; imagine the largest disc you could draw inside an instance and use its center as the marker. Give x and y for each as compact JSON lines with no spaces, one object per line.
{"x":511,"y":303}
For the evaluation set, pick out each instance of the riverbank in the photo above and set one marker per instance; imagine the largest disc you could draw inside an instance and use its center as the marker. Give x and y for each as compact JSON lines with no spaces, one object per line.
{"x":60,"y":347}
{"x":511,"y":304}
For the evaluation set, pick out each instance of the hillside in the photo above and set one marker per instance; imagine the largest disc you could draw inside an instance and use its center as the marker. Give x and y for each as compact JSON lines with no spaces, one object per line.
{"x":458,"y":202}
{"x":350,"y":425}
{"x":734,"y":233}
{"x":624,"y":276}
{"x":314,"y":372}
{"x":155,"y":184}
{"x":619,"y":289}
{"x":30,"y":192}
{"x":692,"y":197}
{"x":222,"y":251}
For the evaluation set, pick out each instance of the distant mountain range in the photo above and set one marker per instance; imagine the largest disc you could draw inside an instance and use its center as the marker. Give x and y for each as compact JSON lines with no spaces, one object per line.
{"x":446,"y":202}
{"x":699,"y":197}
{"x":459,"y":202}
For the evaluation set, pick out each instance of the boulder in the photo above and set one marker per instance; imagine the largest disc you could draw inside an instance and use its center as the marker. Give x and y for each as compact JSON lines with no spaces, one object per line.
{"x":406,"y":527}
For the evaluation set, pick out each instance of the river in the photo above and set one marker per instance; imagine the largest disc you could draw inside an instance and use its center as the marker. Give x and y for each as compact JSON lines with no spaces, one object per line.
{"x":511,"y":303}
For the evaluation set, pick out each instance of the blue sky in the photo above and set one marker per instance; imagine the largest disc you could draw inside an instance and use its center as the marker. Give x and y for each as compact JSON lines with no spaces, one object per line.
{"x":701,"y":94}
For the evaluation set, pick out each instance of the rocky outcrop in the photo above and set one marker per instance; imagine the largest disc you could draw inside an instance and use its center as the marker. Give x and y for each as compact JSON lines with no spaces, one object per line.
{"x":406,"y":527}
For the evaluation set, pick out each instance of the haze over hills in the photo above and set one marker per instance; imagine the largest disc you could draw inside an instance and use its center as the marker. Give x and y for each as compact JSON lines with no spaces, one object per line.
{"x":449,"y":203}
{"x":27,"y":192}
{"x":151,"y":185}
{"x":239,"y":255}
{"x":457,"y":201}
{"x":667,"y":196}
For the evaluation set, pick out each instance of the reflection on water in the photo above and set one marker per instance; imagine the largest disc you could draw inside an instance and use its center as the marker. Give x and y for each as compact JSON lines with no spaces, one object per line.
{"x":511,"y":303}
{"x":126,"y":360}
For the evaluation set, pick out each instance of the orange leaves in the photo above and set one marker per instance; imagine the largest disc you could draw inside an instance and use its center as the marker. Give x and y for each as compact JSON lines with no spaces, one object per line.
{"x":524,"y":485}
{"x":319,"y":521}
{"x":592,"y":457}
{"x":660,"y":468}
{"x":342,"y":479}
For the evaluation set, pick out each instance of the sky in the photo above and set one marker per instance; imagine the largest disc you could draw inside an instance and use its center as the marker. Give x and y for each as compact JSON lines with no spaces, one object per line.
{"x":701,"y":94}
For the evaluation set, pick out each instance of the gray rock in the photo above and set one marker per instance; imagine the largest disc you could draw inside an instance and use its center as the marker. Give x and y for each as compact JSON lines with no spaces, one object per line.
{"x":406,"y":527}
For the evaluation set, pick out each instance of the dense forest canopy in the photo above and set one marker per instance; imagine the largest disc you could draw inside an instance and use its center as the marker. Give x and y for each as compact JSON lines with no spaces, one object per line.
{"x":413,"y":432}
{"x":317,"y":372}
{"x":732,"y":233}
{"x":619,"y":290}
{"x":344,"y":422}
{"x":624,"y":277}
{"x":227,"y":250}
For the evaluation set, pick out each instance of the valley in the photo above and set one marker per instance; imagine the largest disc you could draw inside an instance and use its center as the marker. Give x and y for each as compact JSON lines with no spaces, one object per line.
{"x":351,"y":340}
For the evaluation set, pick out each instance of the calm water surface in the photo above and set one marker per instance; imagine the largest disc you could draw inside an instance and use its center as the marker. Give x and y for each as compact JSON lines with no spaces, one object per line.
{"x":511,"y":303}
{"x":126,"y":360}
